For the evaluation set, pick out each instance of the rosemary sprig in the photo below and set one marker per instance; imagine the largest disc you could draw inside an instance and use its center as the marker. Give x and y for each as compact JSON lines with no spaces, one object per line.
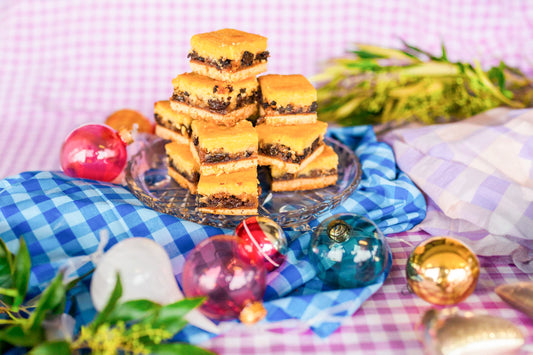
{"x":382,"y":85}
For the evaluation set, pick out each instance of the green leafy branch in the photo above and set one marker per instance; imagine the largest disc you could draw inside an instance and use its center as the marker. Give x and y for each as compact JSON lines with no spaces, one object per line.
{"x":133,"y":327}
{"x":383,"y":85}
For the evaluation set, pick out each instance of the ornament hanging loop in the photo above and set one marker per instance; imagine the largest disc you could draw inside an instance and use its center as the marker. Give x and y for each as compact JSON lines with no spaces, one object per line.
{"x":339,"y":231}
{"x":252,"y":313}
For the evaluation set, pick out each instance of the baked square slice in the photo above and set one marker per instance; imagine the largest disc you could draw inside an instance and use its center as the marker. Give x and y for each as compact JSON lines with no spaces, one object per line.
{"x":222,"y":149}
{"x":235,"y":193}
{"x":171,"y":124}
{"x":212,"y":100}
{"x":228,"y":54}
{"x":319,"y":173}
{"x":290,"y":148}
{"x":182,"y":167}
{"x":286,"y":100}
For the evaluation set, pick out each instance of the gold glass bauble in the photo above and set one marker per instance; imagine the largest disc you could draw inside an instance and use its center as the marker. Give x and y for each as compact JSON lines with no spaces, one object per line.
{"x":442,"y":271}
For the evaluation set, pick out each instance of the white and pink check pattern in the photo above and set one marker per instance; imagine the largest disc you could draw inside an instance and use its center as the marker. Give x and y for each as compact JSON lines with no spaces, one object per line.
{"x":66,"y":63}
{"x":71,"y":62}
{"x":386,"y":322}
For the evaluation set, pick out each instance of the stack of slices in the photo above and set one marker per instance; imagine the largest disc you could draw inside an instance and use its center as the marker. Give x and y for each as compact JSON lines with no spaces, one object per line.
{"x":291,"y":139}
{"x":215,"y":148}
{"x":209,"y":119}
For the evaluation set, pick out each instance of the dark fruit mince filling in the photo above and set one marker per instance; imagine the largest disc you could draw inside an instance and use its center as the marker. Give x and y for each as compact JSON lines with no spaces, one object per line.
{"x":193,"y":178}
{"x":312,"y":174}
{"x":217,"y":105}
{"x":247,"y":59}
{"x":284,"y":153}
{"x":180,"y":128}
{"x":225,"y":200}
{"x":272,"y":107}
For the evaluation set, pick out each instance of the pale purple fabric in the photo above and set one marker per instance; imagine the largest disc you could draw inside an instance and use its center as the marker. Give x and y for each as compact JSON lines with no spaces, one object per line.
{"x":477,"y":175}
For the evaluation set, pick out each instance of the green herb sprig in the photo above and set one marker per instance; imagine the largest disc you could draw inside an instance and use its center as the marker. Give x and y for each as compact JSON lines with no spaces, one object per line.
{"x":390,"y":86}
{"x":132,"y":327}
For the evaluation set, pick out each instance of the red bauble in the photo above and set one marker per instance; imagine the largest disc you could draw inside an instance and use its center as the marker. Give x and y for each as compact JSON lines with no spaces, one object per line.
{"x":234,"y":286}
{"x":262,"y":238}
{"x":95,"y":152}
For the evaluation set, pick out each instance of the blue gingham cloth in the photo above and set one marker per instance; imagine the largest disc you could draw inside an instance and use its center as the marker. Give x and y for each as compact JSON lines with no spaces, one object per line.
{"x":61,"y":217}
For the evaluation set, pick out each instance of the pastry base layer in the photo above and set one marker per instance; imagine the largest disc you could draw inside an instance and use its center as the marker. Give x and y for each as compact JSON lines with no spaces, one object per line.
{"x":229,"y":211}
{"x":229,"y":119}
{"x":227,"y":75}
{"x":291,"y":168}
{"x":299,"y":184}
{"x":181,"y":180}
{"x":225,"y":167}
{"x":166,"y":133}
{"x":283,"y":120}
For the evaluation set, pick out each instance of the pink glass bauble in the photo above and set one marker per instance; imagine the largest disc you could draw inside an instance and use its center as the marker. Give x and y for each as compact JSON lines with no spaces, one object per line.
{"x":262,"y":238}
{"x":95,"y":152}
{"x":234,"y":286}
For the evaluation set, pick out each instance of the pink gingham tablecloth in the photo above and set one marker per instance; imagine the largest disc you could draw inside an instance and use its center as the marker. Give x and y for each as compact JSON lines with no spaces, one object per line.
{"x":385,"y":324}
{"x":71,"y":62}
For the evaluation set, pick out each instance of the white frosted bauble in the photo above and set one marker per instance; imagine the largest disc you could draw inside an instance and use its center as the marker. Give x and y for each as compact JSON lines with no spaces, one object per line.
{"x":145,"y":273}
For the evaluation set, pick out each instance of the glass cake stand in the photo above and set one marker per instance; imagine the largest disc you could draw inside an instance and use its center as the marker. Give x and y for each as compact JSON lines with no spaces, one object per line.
{"x":148,"y":180}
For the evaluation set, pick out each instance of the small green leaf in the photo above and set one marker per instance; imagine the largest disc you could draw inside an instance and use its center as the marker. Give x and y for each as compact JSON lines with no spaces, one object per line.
{"x":21,"y":272}
{"x":74,"y":282}
{"x":382,"y":52}
{"x":365,"y":65}
{"x":508,"y":93}
{"x":417,"y":50}
{"x":50,"y":301}
{"x":52,"y":348}
{"x":130,"y":311}
{"x":368,"y":55}
{"x":6,"y":266}
{"x":178,"y":348}
{"x":18,"y":336}
{"x":172,"y":316}
{"x":7,"y":321}
{"x":9,"y":292}
{"x":444,"y":55}
{"x":497,"y":76}
{"x":68,"y":287}
{"x":111,"y":303}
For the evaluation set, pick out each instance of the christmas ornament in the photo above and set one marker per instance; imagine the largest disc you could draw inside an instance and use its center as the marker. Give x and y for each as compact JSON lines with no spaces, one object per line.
{"x":233,"y":284}
{"x":442,"y":271}
{"x":348,"y":251}
{"x":262,"y":238}
{"x":127,"y":119}
{"x":95,"y":152}
{"x":519,"y":295}
{"x":450,"y":332}
{"x":145,"y":272}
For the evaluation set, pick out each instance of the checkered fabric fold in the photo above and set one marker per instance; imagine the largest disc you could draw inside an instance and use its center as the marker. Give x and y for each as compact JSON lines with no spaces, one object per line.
{"x":477,"y":175}
{"x":60,"y":218}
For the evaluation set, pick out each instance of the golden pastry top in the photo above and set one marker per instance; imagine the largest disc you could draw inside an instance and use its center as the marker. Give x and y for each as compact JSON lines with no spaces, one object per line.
{"x":327,"y":160}
{"x":204,"y":86}
{"x":182,"y":156}
{"x":237,"y":183}
{"x":296,"y":137}
{"x":163,"y":109}
{"x":227,"y":43}
{"x":212,"y":137}
{"x":287,"y":89}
